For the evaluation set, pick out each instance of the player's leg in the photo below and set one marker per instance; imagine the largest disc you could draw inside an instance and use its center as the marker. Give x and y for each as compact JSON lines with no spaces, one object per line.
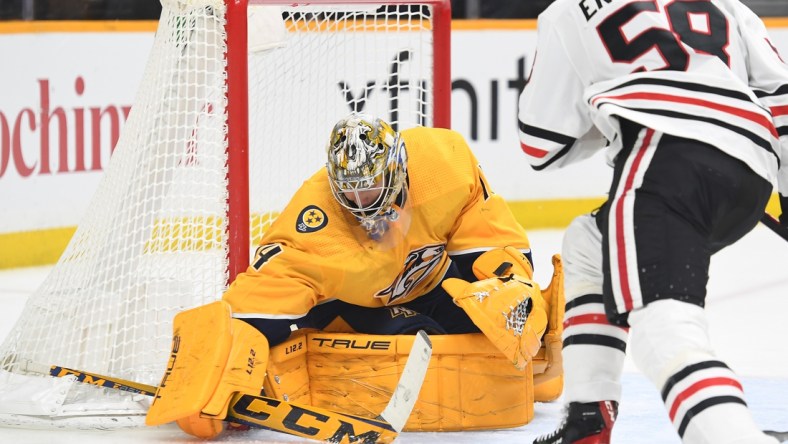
{"x":594,"y":349}
{"x":676,"y":203}
{"x":703,"y":396}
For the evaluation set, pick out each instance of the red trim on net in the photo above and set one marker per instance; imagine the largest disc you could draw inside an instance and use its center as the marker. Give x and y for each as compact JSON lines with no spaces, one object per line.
{"x":237,"y":139}
{"x":238,"y":108}
{"x":441,"y":64}
{"x":441,"y":39}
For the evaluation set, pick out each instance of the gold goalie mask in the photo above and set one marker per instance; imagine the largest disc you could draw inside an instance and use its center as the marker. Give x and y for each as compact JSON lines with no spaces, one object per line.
{"x":367,"y":166}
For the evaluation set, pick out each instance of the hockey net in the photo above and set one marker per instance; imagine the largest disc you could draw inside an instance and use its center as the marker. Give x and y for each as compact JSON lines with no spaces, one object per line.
{"x":184,"y":201}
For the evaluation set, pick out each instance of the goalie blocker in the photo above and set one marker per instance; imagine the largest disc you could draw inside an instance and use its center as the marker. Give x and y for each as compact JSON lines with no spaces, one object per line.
{"x":218,"y":356}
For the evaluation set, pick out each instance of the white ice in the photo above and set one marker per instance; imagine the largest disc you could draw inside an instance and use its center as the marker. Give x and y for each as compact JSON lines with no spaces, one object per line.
{"x":747,"y":306}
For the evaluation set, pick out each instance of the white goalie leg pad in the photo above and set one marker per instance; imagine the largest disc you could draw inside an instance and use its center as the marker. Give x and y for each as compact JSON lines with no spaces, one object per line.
{"x":703,"y":397}
{"x":594,"y":350}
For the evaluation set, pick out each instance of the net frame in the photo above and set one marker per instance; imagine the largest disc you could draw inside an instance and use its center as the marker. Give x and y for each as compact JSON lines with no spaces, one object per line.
{"x":237,"y":112}
{"x":60,"y":402}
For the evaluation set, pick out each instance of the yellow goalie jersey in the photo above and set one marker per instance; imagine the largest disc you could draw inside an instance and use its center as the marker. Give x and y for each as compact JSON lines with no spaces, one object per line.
{"x":317,"y":251}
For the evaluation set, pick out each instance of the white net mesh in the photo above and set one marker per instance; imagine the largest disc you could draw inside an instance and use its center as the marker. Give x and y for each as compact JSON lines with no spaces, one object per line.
{"x":153,"y":241}
{"x":383,"y":64}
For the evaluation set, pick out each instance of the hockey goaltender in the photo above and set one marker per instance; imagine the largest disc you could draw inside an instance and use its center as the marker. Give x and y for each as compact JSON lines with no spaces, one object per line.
{"x":400,"y":232}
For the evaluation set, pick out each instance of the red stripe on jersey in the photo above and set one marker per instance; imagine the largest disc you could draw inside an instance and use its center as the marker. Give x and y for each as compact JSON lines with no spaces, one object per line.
{"x":698,"y":386}
{"x":591,"y":318}
{"x":621,"y":253}
{"x":533,"y":151}
{"x":779,"y":110}
{"x":754,"y":117}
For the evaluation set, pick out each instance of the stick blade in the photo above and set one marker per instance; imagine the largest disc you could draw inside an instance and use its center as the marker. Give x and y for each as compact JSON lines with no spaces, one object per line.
{"x":775,"y":225}
{"x":406,"y":394}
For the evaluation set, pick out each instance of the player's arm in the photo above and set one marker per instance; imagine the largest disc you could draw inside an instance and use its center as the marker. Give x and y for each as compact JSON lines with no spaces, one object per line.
{"x":485,"y":221}
{"x":554,"y":124}
{"x":492,"y":250}
{"x":487,"y":240}
{"x":281,"y":285}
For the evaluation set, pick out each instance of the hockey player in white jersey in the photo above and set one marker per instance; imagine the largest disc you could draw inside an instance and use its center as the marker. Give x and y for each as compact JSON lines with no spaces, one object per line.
{"x":690,"y":101}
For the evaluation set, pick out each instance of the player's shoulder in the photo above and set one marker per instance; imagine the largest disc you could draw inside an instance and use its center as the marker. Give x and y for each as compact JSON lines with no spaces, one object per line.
{"x":312,"y":208}
{"x":315,"y":191}
{"x":433,"y":138}
{"x":424,"y":132}
{"x":434,"y":146}
{"x":438,"y":160}
{"x":560,"y":7}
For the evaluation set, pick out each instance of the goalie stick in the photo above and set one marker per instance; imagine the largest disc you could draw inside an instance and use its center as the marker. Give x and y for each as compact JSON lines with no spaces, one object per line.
{"x":301,"y":420}
{"x":775,"y":225}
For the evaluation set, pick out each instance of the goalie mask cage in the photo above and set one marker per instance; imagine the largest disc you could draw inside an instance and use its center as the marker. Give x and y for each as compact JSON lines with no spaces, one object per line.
{"x":233,"y":112}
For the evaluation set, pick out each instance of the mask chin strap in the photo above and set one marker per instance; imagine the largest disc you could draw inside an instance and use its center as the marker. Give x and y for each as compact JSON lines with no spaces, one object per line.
{"x":377,"y":226}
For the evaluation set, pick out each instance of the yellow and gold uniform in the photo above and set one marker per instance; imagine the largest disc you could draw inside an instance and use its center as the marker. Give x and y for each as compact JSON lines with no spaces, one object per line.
{"x":316,"y":250}
{"x":400,"y":232}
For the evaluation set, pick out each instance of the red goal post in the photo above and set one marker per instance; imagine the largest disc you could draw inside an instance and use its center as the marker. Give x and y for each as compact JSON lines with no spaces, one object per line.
{"x":232,"y":114}
{"x":237,"y":111}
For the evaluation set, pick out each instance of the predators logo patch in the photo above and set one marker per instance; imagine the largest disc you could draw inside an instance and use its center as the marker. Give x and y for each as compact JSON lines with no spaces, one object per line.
{"x":418,"y":265}
{"x":311,"y":219}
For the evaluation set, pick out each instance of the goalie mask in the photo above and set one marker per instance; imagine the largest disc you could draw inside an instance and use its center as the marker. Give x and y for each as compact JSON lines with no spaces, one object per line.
{"x":367,"y":165}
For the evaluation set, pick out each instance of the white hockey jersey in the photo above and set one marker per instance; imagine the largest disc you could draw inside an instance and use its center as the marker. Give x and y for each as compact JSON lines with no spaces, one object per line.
{"x":701,"y":69}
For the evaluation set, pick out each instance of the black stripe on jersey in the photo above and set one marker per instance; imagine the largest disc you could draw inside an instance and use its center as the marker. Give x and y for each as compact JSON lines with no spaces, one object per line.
{"x":557,"y":156}
{"x":695,"y":87}
{"x":552,"y":136}
{"x":761,"y":142}
{"x":593,"y":339}
{"x":782,"y":90}
{"x":546,"y":134}
{"x":703,"y":405}
{"x":782,"y":130}
{"x":484,"y":189}
{"x":585,"y":299}
{"x":685,"y":372}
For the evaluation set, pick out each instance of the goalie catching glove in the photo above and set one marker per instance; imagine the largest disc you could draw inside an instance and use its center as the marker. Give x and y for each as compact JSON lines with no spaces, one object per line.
{"x":508,"y":308}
